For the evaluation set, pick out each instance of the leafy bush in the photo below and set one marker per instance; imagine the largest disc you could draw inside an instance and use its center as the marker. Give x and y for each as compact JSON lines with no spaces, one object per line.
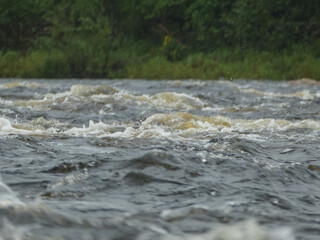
{"x":21,"y":22}
{"x":101,"y":39}
{"x":173,"y":50}
{"x":55,"y":65}
{"x":81,"y":31}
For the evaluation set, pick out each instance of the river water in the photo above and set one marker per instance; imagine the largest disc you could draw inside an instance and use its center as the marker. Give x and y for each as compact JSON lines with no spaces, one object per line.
{"x":136,"y":159}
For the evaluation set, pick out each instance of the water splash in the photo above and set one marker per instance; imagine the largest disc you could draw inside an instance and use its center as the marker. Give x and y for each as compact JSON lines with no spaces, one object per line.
{"x":172,"y":125}
{"x":23,"y":84}
{"x":248,"y":230}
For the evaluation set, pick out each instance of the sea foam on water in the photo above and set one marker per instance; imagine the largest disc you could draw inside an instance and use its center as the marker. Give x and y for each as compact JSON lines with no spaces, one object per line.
{"x":5,"y":125}
{"x":247,"y":230}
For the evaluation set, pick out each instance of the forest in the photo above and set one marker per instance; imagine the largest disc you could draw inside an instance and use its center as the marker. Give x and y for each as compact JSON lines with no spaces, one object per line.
{"x":168,"y":39}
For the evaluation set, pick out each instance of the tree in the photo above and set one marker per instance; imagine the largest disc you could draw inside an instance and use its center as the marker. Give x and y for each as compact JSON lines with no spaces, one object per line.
{"x":21,"y":22}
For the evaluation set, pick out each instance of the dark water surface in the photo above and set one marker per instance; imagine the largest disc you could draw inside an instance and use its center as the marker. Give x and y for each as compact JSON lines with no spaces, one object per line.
{"x":129,"y":159}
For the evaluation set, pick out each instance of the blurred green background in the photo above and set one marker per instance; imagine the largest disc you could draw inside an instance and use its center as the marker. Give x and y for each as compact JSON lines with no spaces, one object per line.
{"x":168,"y":39}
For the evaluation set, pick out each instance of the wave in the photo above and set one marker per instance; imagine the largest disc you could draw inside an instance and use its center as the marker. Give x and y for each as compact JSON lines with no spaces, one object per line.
{"x":303,"y":95}
{"x":247,"y":230}
{"x":23,"y":84}
{"x":172,"y":125}
{"x":106,"y":94}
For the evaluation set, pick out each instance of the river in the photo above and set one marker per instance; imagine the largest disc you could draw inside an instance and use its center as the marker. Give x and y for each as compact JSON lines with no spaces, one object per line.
{"x":137,"y":159}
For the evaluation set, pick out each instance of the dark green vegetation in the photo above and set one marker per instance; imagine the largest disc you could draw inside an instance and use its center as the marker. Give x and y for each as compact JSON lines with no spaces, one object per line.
{"x":278,"y":39}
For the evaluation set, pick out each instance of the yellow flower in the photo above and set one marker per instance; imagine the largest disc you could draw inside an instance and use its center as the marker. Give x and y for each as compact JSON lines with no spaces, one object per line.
{"x":166,"y":40}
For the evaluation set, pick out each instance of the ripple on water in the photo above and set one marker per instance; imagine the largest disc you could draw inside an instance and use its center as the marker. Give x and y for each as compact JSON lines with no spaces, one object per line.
{"x":159,"y":160}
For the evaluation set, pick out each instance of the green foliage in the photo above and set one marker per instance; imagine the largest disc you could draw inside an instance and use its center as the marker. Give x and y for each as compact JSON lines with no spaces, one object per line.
{"x":81,"y":31}
{"x":14,"y":64}
{"x":207,"y":26}
{"x":21,"y":22}
{"x":114,"y":38}
{"x":173,"y":50}
{"x":55,"y":65}
{"x":274,"y":24}
{"x":232,"y":64}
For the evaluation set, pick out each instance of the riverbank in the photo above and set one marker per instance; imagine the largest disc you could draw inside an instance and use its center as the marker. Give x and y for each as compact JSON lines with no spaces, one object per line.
{"x":292,"y":63}
{"x":160,"y":40}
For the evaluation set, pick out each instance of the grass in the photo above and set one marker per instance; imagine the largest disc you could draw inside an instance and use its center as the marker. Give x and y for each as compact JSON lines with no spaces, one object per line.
{"x":231,"y":64}
{"x":292,"y":63}
{"x":36,"y":64}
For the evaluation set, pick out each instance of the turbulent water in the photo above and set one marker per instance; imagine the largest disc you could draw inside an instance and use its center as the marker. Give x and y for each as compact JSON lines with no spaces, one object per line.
{"x":135,"y":159}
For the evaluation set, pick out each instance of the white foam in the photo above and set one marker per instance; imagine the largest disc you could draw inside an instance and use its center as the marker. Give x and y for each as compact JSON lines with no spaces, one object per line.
{"x":303,"y":95}
{"x":248,"y":230}
{"x":80,"y":90}
{"x":94,"y":129}
{"x":5,"y":125}
{"x":106,"y":94}
{"x":172,"y":100}
{"x":23,"y":84}
{"x":186,"y":122}
{"x":179,"y":125}
{"x":192,"y":83}
{"x":70,"y":179}
{"x":122,"y":130}
{"x":77,"y":92}
{"x":163,"y":100}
